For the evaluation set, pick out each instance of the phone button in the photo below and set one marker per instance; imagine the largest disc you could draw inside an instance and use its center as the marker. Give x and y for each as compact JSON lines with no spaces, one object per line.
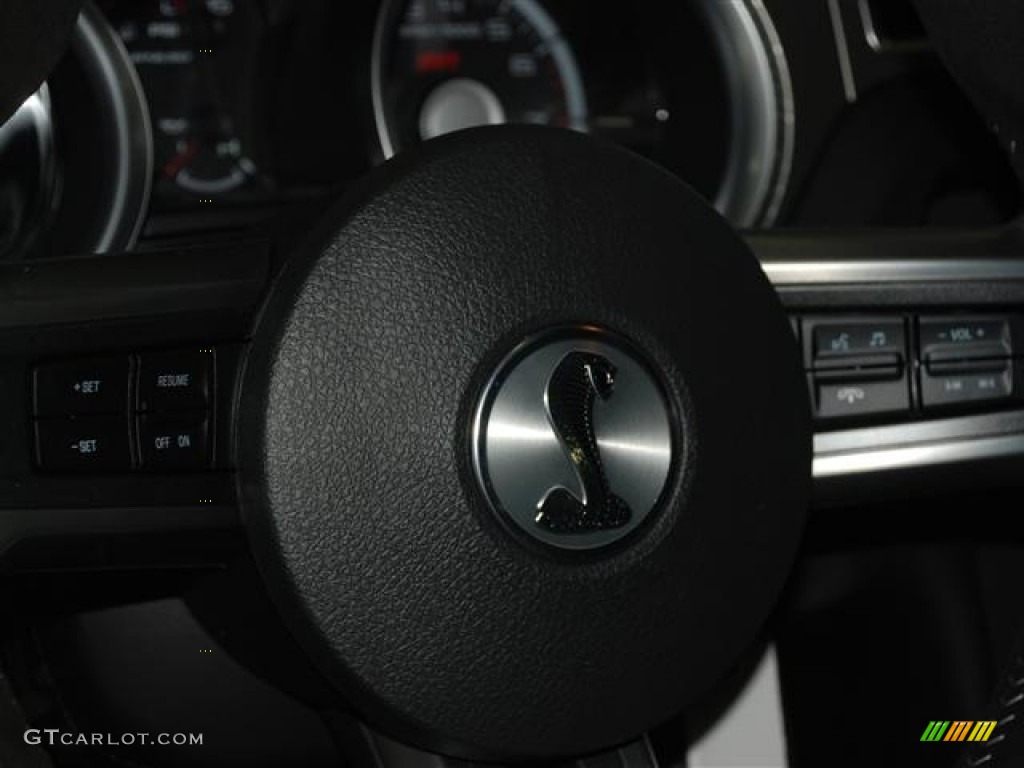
{"x":839,"y":399}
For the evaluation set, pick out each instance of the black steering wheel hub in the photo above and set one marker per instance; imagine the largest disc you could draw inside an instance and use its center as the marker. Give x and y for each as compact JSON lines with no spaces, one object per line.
{"x":667,"y":482}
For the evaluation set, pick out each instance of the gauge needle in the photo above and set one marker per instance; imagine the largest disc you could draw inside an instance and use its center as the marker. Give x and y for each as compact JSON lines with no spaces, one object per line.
{"x":183,"y":158}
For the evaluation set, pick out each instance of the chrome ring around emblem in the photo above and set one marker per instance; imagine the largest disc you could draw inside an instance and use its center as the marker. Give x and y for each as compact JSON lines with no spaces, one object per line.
{"x":572,"y":439}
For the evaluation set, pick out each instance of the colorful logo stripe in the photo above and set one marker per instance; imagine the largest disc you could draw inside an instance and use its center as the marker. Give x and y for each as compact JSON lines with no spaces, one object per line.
{"x":958,"y":730}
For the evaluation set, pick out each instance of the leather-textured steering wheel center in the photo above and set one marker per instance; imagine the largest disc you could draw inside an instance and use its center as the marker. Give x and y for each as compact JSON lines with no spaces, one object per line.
{"x":361,"y":484}
{"x":573,"y":439}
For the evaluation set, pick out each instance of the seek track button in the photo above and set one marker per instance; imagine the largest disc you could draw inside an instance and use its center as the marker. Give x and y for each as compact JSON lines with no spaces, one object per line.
{"x":967,"y":387}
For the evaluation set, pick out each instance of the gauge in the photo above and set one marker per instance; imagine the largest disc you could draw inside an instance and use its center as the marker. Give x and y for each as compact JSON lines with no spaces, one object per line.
{"x":193,"y":57}
{"x":207,"y":158}
{"x":444,"y":65}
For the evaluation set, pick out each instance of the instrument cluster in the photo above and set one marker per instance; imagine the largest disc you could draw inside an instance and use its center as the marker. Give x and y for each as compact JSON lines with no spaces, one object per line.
{"x":256,"y":101}
{"x":173,"y":119}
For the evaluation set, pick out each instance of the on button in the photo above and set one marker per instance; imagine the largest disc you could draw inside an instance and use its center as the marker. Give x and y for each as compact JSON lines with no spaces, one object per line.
{"x":174,"y":441}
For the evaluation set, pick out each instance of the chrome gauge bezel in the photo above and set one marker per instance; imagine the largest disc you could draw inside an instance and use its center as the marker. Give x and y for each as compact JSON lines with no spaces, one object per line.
{"x":117,"y":201}
{"x":762,"y":108}
{"x":761,"y":103}
{"x":107,"y":64}
{"x":27,"y":137}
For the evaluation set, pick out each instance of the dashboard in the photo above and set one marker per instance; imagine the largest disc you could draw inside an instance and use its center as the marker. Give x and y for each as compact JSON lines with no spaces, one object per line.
{"x":781,"y":113}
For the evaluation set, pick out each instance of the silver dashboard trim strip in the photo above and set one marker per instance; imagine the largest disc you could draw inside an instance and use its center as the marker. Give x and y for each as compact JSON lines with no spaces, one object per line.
{"x":915,"y":456}
{"x":920,"y":444}
{"x":804,"y":273}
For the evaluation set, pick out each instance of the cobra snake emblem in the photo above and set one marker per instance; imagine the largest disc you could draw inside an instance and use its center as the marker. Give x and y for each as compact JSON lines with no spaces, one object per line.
{"x":575,"y":384}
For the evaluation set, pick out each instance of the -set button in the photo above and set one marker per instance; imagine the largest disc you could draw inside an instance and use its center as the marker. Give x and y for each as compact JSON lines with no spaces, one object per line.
{"x":174,"y":381}
{"x":90,"y":444}
{"x":77,"y":387}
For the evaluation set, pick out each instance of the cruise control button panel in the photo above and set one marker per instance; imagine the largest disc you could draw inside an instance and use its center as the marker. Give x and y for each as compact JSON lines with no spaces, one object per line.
{"x":148,"y":410}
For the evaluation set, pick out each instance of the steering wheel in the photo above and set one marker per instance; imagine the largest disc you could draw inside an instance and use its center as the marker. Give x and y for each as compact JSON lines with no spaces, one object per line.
{"x":519,"y":436}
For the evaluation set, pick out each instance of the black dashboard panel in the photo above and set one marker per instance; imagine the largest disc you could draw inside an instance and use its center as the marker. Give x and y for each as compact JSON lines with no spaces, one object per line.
{"x":886,"y":138}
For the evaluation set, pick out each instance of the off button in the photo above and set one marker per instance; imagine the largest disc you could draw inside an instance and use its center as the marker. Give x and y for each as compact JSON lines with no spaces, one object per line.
{"x":175,"y":381}
{"x":174,"y":441}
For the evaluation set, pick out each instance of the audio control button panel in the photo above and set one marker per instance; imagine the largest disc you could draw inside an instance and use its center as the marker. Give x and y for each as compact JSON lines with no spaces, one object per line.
{"x":888,"y":367}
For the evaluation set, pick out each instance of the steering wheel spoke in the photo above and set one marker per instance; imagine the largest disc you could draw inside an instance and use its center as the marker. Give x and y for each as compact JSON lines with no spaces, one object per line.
{"x":912,"y":344}
{"x":368,"y":748}
{"x":117,"y":384}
